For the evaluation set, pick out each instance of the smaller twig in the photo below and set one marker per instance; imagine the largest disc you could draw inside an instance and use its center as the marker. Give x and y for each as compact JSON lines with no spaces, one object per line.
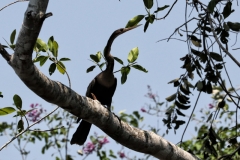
{"x":235,"y":48}
{"x":170,"y":38}
{"x":229,"y":155}
{"x":190,"y":117}
{"x":168,"y":11}
{"x":37,"y":130}
{"x":19,"y":134}
{"x":181,"y":26}
{"x":126,"y":66}
{"x":12,"y":4}
{"x":235,"y":40}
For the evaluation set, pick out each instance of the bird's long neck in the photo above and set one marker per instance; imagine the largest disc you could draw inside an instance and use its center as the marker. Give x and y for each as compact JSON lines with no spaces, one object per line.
{"x":108,"y":56}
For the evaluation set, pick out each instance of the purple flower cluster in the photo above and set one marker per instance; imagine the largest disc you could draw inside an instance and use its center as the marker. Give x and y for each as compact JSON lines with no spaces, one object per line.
{"x":121,"y":154}
{"x":150,"y":94}
{"x":103,"y":141}
{"x":91,"y":146}
{"x":143,"y":109}
{"x":211,"y":106}
{"x":35,"y":112}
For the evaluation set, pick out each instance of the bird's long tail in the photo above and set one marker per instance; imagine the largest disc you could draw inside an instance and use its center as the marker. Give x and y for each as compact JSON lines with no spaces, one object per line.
{"x":81,"y":134}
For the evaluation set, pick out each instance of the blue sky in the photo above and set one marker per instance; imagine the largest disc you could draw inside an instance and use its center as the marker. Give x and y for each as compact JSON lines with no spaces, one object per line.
{"x":82,"y":28}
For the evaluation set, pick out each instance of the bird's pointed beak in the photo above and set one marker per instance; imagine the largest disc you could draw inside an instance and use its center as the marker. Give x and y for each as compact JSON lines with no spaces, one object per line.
{"x":130,"y":28}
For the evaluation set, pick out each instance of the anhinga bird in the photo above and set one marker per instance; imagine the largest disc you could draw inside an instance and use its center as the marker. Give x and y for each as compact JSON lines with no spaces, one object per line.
{"x":102,"y":88}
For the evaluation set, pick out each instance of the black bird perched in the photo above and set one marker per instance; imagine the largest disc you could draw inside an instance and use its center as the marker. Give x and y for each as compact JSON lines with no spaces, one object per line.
{"x":102,"y":87}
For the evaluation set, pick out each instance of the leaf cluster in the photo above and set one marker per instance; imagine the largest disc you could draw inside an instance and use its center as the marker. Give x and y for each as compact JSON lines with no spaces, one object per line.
{"x":125,"y":70}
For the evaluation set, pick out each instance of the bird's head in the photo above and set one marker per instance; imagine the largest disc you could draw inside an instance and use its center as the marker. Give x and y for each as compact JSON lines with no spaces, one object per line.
{"x":123,"y":30}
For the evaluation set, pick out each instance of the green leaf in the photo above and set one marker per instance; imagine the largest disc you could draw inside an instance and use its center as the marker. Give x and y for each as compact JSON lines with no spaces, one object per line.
{"x":184,"y":90}
{"x":61,"y":68}
{"x":52,"y":68}
{"x":99,"y":55}
{"x":136,"y":113}
{"x":226,"y":27}
{"x":234,"y":26}
{"x":65,"y":59}
{"x":161,"y":8}
{"x":12,"y":37}
{"x":209,"y":117}
{"x":43,"y":60}
{"x":150,"y":18}
{"x":111,"y":154}
{"x":209,"y":88}
{"x":118,"y":60}
{"x":136,"y":66}
{"x":134,"y":21}
{"x":94,"y":58}
{"x":199,"y":85}
{"x":12,"y":46}
{"x":17,"y":101}
{"x":55,"y":49}
{"x":197,"y":53}
{"x":178,"y":123}
{"x":211,"y":5}
{"x":221,"y":104}
{"x":93,"y":139}
{"x":41,"y":45}
{"x":174,"y":80}
{"x":39,"y":58}
{"x":180,"y":113}
{"x":90,"y":69}
{"x":125,"y":71}
{"x":101,"y":65}
{"x":50,"y":43}
{"x":181,"y":106}
{"x":146,"y":26}
{"x":216,"y":56}
{"x":20,"y":126}
{"x":195,"y":41}
{"x":6,"y":110}
{"x":148,"y":3}
{"x":133,"y":55}
{"x":227,"y":10}
{"x":171,"y":98}
{"x":182,"y":99}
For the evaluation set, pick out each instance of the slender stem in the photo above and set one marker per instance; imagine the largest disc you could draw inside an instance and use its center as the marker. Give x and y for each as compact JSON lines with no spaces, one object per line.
{"x":19,"y":134}
{"x":12,"y":4}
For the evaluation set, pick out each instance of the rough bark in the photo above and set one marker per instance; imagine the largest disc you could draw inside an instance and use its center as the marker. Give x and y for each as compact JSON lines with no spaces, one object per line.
{"x":85,"y":108}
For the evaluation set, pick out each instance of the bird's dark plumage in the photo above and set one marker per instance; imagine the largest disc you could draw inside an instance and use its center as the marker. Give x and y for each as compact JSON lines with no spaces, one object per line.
{"x":102,"y":86}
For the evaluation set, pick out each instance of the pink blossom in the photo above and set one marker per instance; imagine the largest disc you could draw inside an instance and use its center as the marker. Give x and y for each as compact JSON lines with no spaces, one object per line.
{"x":150,"y":95}
{"x":121,"y":154}
{"x":89,"y":148}
{"x":143,"y":110}
{"x":104,"y":141}
{"x":32,"y":105}
{"x":35,"y":114}
{"x":211,"y":106}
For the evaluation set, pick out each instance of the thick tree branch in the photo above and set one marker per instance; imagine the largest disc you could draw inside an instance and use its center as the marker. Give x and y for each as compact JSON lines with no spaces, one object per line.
{"x":85,"y":108}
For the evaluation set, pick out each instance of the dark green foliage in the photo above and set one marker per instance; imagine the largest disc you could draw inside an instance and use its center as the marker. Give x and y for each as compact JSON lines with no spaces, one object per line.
{"x":148,"y":3}
{"x":125,"y":70}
